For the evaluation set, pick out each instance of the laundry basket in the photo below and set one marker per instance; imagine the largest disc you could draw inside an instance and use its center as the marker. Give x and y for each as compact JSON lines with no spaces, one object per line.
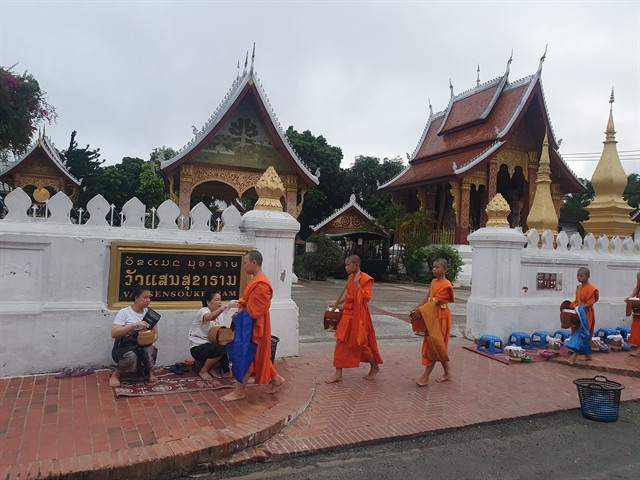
{"x":599,"y":398}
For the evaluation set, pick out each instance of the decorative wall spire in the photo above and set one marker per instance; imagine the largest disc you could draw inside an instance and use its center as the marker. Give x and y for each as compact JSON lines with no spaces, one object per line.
{"x":269,"y":189}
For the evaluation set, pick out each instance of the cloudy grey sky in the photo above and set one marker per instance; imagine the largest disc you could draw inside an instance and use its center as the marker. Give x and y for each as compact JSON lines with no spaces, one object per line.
{"x":131,"y":76}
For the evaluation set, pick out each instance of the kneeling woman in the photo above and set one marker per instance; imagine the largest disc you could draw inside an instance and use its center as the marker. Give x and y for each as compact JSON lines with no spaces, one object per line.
{"x":129,"y":356}
{"x":212,"y":356}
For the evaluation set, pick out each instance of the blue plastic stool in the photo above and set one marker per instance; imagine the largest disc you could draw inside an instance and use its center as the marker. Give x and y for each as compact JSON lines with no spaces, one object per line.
{"x":624,"y":331}
{"x":603,"y":333}
{"x":520,"y":339}
{"x":490,"y":344}
{"x":563,"y":334}
{"x":539,"y":338}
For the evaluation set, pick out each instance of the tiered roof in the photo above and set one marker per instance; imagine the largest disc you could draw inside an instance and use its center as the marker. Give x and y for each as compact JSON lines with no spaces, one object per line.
{"x":44,"y":146}
{"x":356,"y":219}
{"x":475,"y":127}
{"x":244,"y":86}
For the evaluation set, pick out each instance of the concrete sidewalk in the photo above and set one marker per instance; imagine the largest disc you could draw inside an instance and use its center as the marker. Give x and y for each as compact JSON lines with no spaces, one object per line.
{"x":76,"y":428}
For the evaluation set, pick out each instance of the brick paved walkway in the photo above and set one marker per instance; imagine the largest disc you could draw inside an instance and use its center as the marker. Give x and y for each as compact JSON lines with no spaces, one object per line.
{"x":77,"y":428}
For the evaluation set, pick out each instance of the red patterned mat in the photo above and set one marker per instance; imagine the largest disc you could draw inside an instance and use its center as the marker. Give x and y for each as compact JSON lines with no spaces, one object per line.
{"x":171,"y":383}
{"x":504,"y":357}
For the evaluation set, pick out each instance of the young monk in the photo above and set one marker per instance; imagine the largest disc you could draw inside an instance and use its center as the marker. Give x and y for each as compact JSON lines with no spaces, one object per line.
{"x":634,"y":337}
{"x":355,"y":336}
{"x":256,"y":300}
{"x":586,"y":296}
{"x":437,"y":317}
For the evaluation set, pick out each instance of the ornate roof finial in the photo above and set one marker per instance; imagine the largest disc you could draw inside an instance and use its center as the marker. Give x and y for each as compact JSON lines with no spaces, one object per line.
{"x":253,"y":56}
{"x":611,"y":99}
{"x":246,"y":62}
{"x":544,"y":55}
{"x":478,"y":79}
{"x":430,"y":108}
{"x":451,"y":87}
{"x":238,"y":76}
{"x":506,"y":73}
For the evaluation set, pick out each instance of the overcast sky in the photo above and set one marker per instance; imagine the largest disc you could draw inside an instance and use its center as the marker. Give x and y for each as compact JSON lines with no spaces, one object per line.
{"x":132,"y":76}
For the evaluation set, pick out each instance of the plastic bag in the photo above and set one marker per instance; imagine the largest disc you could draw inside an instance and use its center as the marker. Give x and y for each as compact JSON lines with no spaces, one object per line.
{"x":580,"y":342}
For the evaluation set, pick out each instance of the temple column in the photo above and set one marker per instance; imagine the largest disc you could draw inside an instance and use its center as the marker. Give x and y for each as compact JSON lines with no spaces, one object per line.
{"x":492,"y":188}
{"x":556,"y":197}
{"x":184,"y":201}
{"x":462,"y":216}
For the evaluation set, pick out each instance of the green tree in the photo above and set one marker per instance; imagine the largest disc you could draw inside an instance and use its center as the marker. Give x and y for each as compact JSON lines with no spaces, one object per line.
{"x":84,"y":164}
{"x":319,"y":264}
{"x":151,"y":190}
{"x":22,"y":106}
{"x":119,"y":183}
{"x":364,"y":177}
{"x":577,"y":201}
{"x":331,"y":193}
{"x":632,"y":192}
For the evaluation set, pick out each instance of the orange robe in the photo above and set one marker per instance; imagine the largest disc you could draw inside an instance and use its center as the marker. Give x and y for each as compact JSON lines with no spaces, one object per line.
{"x":438,"y":321}
{"x":257,"y":300}
{"x":356,"y":338}
{"x":586,"y":295}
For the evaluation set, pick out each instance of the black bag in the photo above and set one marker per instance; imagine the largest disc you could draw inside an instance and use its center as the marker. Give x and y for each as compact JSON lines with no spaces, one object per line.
{"x":151,"y":317}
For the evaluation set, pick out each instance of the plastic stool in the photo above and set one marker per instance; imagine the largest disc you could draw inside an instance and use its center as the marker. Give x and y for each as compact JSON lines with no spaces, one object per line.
{"x":603,"y":333}
{"x":624,"y":331}
{"x":539,"y":338}
{"x":520,"y":339}
{"x":490,"y":344}
{"x":563,"y":334}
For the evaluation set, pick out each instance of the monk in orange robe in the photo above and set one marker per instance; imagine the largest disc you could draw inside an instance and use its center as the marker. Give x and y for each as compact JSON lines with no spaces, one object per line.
{"x":257,"y":300}
{"x":586,"y":296}
{"x":437,"y":318}
{"x":356,"y":338}
{"x":634,"y":337}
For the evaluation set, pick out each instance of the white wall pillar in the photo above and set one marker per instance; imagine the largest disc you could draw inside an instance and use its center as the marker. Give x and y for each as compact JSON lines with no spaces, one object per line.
{"x":275,"y":234}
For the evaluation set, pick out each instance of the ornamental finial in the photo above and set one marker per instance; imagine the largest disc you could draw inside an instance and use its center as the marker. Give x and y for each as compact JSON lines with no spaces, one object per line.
{"x":478,"y":79}
{"x":612,"y":99}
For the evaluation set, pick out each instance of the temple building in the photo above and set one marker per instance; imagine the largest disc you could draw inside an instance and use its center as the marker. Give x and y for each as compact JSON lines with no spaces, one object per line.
{"x":41,"y":173}
{"x":488,"y":140}
{"x":356,"y":232}
{"x":227,"y":157}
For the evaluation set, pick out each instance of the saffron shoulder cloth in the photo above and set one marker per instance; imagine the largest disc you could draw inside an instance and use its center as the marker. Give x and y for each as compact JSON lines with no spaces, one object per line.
{"x":436,"y":350}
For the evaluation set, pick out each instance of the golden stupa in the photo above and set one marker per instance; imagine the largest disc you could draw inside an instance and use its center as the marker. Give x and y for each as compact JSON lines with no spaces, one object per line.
{"x":608,"y":212}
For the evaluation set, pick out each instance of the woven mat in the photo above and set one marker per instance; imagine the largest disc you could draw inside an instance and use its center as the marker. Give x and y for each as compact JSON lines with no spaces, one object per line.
{"x":504,"y":357}
{"x":171,"y":383}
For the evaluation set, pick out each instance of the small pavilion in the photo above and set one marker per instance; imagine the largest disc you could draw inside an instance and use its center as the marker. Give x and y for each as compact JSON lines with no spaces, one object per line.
{"x":228,"y":155}
{"x":41,"y":173}
{"x":356,"y":231}
{"x":488,"y":140}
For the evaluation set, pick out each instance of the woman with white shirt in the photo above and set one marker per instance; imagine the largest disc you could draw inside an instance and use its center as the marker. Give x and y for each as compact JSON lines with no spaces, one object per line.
{"x":212,"y":356}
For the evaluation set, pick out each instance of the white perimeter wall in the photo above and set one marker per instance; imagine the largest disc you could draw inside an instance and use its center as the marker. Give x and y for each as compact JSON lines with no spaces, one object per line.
{"x":505,"y":261}
{"x":54,"y":282}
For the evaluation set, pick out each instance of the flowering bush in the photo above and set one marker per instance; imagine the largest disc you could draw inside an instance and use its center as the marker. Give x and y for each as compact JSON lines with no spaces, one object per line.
{"x":22,"y":106}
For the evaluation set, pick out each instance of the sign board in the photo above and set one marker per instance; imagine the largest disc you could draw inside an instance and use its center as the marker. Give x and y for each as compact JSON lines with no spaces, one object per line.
{"x":177,"y":275}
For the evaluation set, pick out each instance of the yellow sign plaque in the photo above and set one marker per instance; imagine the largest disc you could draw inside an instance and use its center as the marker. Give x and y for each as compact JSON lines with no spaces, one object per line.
{"x":177,"y":275}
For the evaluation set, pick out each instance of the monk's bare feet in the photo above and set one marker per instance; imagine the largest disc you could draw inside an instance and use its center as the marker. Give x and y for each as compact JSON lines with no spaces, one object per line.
{"x":573,"y":359}
{"x":276,"y":383}
{"x":230,"y":397}
{"x":444,"y":378}
{"x":114,"y":380}
{"x":204,"y":375}
{"x":152,"y":378}
{"x":372,"y":373}
{"x":421,"y":382}
{"x":215,"y":373}
{"x":336,"y":378}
